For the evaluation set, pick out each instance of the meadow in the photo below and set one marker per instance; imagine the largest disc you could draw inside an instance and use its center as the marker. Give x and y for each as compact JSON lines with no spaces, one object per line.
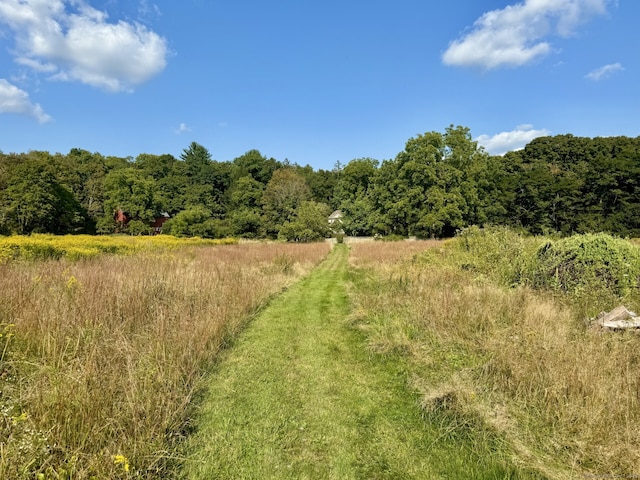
{"x":105,"y":347}
{"x":76,"y":247}
{"x":104,"y":343}
{"x":498,"y":334}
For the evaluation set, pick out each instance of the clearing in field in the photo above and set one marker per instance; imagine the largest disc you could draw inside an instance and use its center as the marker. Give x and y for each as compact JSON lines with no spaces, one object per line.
{"x":299,"y":396}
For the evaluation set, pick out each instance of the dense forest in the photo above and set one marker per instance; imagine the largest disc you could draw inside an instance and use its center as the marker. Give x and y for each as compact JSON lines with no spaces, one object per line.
{"x":439,"y":183}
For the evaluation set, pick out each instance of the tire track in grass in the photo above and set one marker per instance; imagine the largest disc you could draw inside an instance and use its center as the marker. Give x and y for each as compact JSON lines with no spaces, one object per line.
{"x":299,"y":397}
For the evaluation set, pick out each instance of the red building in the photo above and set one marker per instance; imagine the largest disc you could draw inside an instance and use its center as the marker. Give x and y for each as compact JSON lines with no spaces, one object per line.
{"x":122,"y":219}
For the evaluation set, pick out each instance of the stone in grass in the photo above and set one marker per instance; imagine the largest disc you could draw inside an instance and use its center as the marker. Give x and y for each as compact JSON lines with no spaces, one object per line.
{"x":618,"y":319}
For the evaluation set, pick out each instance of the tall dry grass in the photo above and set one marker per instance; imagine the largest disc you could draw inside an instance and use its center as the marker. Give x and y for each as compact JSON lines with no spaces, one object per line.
{"x":388,"y":252}
{"x":515,"y":361}
{"x":100,"y":358}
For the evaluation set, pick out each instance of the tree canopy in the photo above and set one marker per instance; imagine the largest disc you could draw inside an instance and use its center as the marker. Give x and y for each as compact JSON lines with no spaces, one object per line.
{"x":439,"y":183}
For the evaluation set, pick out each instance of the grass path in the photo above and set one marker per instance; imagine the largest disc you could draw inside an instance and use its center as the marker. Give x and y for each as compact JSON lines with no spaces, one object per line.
{"x":300,"y":397}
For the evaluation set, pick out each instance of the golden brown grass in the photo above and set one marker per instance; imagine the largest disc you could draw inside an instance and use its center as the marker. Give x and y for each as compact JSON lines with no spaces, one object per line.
{"x":100,"y":358}
{"x":388,"y":252}
{"x":516,"y":361}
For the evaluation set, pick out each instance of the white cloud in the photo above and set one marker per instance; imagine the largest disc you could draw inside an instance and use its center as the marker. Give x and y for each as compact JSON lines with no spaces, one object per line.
{"x":513,"y":36}
{"x":15,"y":100}
{"x":504,"y":142}
{"x":75,"y":42}
{"x":604,"y":72}
{"x":145,"y":10}
{"x":183,"y":128}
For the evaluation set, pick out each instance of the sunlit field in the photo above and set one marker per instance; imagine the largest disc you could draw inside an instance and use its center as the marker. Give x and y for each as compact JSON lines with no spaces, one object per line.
{"x":74,"y":247}
{"x":496,"y":354}
{"x":101,"y":355}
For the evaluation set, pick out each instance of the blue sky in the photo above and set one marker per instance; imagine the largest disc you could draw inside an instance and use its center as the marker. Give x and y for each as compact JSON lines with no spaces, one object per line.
{"x":312,"y":82}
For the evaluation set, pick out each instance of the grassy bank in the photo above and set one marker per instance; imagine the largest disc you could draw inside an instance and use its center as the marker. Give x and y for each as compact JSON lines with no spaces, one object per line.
{"x":494,"y":345}
{"x":99,"y":358}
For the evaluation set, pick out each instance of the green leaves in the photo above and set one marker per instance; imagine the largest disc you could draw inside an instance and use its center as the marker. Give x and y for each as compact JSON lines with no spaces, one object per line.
{"x":131,"y":192}
{"x":310,"y":223}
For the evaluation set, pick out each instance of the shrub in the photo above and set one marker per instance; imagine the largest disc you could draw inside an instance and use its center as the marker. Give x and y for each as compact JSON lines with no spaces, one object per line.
{"x":583,"y":262}
{"x":138,"y":227}
{"x":389,"y":238}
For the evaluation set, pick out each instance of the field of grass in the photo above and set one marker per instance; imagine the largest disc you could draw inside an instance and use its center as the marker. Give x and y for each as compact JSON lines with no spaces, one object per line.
{"x":103,"y":353}
{"x":100,"y":356}
{"x":497,"y":341}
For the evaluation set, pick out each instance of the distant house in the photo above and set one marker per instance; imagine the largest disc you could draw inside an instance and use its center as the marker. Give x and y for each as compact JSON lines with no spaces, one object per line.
{"x":156,"y":226}
{"x":122,"y":219}
{"x":335,"y":222}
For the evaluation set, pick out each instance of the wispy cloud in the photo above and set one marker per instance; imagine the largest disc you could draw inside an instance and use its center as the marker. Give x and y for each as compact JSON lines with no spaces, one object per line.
{"x":604,"y":72}
{"x":15,"y":100}
{"x":504,"y":142}
{"x":148,"y":10}
{"x":72,"y":41}
{"x":515,"y":35}
{"x":182,"y":128}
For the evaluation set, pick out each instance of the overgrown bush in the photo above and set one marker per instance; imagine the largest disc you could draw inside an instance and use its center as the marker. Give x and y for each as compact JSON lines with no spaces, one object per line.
{"x":499,"y":252}
{"x":196,"y":222}
{"x":582,"y":263}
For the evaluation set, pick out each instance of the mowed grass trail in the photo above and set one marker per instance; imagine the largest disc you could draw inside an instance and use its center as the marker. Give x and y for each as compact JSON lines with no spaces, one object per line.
{"x":300,"y":397}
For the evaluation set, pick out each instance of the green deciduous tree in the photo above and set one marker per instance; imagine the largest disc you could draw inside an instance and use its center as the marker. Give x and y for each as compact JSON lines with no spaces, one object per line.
{"x":196,"y":222}
{"x":131,"y":192}
{"x":309,"y":223}
{"x":430,"y":188}
{"x":255,"y":164}
{"x":245,"y":215}
{"x":283,"y":194}
{"x":33,"y":200}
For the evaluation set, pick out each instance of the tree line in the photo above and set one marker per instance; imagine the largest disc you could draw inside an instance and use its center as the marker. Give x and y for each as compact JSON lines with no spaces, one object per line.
{"x":441,"y":182}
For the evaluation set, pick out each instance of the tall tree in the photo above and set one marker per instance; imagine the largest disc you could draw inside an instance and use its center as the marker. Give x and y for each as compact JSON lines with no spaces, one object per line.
{"x":131,"y":192}
{"x":430,"y":188}
{"x":207,"y":180}
{"x":283,"y":194}
{"x":34,"y":201}
{"x":352,"y":195}
{"x":309,"y":223}
{"x":255,"y":164}
{"x":245,"y":208}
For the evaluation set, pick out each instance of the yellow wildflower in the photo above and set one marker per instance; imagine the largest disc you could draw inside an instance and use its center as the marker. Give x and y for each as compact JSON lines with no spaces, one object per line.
{"x":121,"y":460}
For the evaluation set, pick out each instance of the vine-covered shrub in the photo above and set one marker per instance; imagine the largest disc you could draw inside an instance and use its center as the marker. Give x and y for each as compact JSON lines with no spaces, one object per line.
{"x":580,"y":264}
{"x":583,"y":262}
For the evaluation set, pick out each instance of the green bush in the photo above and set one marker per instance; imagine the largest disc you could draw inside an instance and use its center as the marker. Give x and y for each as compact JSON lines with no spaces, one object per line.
{"x":499,"y":252}
{"x":138,"y":227}
{"x":583,"y":262}
{"x":196,"y":222}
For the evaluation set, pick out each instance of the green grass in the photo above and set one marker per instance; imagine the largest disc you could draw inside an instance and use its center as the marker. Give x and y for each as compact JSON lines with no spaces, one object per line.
{"x":300,"y":396}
